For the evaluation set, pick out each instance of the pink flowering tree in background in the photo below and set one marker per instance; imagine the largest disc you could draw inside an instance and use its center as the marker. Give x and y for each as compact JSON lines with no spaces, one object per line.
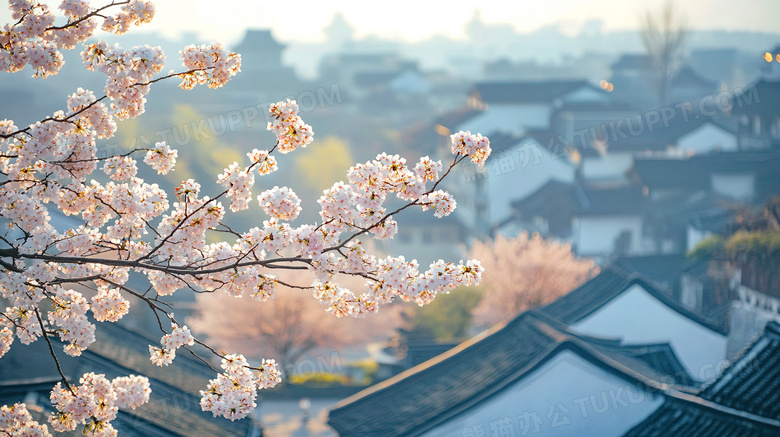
{"x":130,"y":227}
{"x":526,"y":271}
{"x":287,"y":327}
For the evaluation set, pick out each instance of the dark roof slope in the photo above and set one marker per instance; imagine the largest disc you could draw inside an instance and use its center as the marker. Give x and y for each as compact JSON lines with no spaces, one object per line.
{"x":694,"y":418}
{"x":664,"y":269}
{"x":752,"y":382}
{"x":434,"y":392}
{"x":631,"y":62}
{"x":638,"y":133}
{"x":758,"y":98}
{"x":743,"y":401}
{"x":527,"y":91}
{"x":607,"y":285}
{"x":375,"y":78}
{"x":694,"y":173}
{"x":258,"y":39}
{"x":611,"y":199}
{"x":686,"y":77}
{"x":547,"y":200}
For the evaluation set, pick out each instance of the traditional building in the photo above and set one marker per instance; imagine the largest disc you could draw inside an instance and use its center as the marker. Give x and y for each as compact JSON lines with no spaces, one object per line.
{"x":743,"y":401}
{"x":609,"y":219}
{"x":262,"y":67}
{"x":513,"y":107}
{"x":531,"y":375}
{"x":537,"y":376}
{"x":757,"y":109}
{"x":617,"y":304}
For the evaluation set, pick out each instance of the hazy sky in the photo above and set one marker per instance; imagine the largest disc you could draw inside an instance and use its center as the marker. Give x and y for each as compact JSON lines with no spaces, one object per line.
{"x":411,"y":20}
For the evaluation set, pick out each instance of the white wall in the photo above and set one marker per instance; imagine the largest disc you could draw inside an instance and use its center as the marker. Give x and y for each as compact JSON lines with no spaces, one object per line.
{"x":569,"y":396}
{"x":586,"y":94}
{"x":695,"y":236}
{"x":532,"y":167}
{"x":706,"y":138}
{"x":637,"y":317}
{"x":410,"y":82}
{"x":736,"y":186}
{"x":596,"y":235}
{"x":611,"y":166}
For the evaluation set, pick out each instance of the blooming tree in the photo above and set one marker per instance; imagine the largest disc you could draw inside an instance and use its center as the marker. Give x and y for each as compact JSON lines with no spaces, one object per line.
{"x":130,"y":227}
{"x":288,"y":327}
{"x":527,"y":271}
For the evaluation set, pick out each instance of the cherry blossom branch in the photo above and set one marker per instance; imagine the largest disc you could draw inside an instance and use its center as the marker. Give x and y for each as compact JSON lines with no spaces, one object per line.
{"x":94,"y":13}
{"x":455,"y":161}
{"x":95,"y":102}
{"x":51,"y":351}
{"x":189,"y":215}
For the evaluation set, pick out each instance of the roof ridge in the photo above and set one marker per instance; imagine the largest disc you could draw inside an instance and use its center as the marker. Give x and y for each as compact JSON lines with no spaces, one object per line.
{"x":495,"y":329}
{"x":698,"y":401}
{"x":562,"y":334}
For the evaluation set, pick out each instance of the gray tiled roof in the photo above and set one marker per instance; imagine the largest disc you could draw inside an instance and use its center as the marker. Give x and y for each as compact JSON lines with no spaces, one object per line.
{"x":700,"y":419}
{"x":436,"y":391}
{"x":527,"y":91}
{"x":743,"y":401}
{"x":752,"y":382}
{"x":610,"y":200}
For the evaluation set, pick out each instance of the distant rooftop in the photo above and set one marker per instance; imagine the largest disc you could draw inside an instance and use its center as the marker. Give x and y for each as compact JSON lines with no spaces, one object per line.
{"x":526,"y":91}
{"x":631,"y":62}
{"x":258,"y":40}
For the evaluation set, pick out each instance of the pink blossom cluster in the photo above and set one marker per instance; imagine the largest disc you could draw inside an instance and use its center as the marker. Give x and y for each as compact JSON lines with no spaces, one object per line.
{"x":32,"y":41}
{"x":92,"y":114}
{"x":182,"y":232}
{"x":475,"y":146}
{"x":95,"y":402}
{"x":161,"y":356}
{"x":69,"y":315}
{"x":35,"y":40}
{"x":109,"y":305}
{"x":359,"y":204}
{"x":129,"y":73}
{"x":6,"y":339}
{"x":396,"y":277}
{"x":178,"y":337}
{"x":290,"y":130}
{"x":239,"y":182}
{"x":232,"y":395}
{"x":17,"y":421}
{"x":211,"y":65}
{"x":265,"y":289}
{"x":120,"y":168}
{"x":281,"y":203}
{"x":441,"y":201}
{"x":161,"y":158}
{"x":28,"y":328}
{"x":263,"y":161}
{"x":134,"y":13}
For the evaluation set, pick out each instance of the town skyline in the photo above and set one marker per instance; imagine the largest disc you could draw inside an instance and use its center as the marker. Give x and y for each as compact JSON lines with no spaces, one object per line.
{"x":409,"y":21}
